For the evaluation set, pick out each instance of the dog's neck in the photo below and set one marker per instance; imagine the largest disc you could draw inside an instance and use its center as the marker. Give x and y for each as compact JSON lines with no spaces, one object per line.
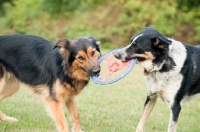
{"x":146,"y":73}
{"x":170,"y":47}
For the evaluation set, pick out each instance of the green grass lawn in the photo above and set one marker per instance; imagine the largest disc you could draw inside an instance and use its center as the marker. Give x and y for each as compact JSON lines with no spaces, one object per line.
{"x":103,"y":108}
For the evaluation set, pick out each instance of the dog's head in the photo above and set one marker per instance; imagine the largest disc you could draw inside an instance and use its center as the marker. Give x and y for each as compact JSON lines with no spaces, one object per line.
{"x":149,"y":47}
{"x":80,"y":56}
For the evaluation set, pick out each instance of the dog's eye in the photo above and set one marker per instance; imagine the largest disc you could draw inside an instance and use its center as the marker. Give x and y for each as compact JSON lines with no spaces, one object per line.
{"x":93,"y":52}
{"x":80,"y":58}
{"x":134,"y":46}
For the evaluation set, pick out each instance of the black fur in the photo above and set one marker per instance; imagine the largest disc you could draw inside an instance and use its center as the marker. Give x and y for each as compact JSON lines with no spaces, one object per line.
{"x":33,"y":60}
{"x":191,"y":72}
{"x":30,"y":58}
{"x":55,"y":71}
{"x":173,"y":73}
{"x":147,"y":100}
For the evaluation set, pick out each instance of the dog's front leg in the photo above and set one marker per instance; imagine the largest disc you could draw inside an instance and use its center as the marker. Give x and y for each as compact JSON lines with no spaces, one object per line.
{"x":174,"y":114}
{"x":148,"y":106}
{"x":74,"y":114}
{"x":55,"y":109}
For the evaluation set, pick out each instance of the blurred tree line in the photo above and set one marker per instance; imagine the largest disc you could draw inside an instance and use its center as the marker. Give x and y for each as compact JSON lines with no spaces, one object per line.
{"x":112,"y":22}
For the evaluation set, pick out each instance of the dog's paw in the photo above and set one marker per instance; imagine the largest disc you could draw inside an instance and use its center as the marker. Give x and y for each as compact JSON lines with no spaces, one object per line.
{"x":139,"y":130}
{"x":72,"y":130}
{"x":9,"y":119}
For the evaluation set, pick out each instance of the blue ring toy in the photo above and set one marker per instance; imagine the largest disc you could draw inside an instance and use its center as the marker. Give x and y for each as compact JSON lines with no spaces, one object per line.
{"x":101,"y":81}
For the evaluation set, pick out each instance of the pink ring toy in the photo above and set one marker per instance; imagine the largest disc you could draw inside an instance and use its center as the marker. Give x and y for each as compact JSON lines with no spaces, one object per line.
{"x":113,"y":66}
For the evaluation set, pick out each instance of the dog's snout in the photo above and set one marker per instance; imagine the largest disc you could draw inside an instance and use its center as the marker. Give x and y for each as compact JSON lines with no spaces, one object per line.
{"x":117,"y":55}
{"x":96,"y":70}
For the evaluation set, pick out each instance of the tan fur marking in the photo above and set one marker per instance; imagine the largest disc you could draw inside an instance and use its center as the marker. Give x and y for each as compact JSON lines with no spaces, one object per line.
{"x":55,"y":110}
{"x":157,"y":41}
{"x":4,"y":117}
{"x":146,"y":73}
{"x":9,"y":85}
{"x":73,"y":114}
{"x":64,"y":94}
{"x":147,"y":62}
{"x":146,"y":113}
{"x":78,"y":71}
{"x":139,"y":55}
{"x":64,"y":52}
{"x":162,"y":46}
{"x":41,"y":90}
{"x":93,"y":58}
{"x":147,"y":55}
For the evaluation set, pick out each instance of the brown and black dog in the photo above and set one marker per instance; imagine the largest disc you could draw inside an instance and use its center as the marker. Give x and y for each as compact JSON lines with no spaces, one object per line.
{"x":55,"y":71}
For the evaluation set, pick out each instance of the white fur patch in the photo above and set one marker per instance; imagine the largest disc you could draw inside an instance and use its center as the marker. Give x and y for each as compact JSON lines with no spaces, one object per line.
{"x":188,"y":98}
{"x":166,"y":84}
{"x":147,"y":65}
{"x":122,"y":51}
{"x":136,"y":37}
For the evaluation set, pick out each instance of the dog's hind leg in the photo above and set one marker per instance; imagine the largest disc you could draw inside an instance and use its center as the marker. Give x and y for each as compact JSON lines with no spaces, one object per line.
{"x":74,"y":114}
{"x":174,"y":114}
{"x":8,"y":86}
{"x":149,"y":105}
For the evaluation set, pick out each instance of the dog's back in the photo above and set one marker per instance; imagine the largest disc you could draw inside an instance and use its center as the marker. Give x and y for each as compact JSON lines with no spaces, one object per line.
{"x":28,"y":58}
{"x":191,"y":71}
{"x":198,"y":46}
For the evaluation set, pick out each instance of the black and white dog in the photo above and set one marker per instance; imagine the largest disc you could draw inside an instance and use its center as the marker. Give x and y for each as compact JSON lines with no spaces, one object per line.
{"x":172,"y":69}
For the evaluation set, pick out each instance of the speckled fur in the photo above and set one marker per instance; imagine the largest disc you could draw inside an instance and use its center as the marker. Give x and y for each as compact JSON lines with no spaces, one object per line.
{"x":172,"y":71}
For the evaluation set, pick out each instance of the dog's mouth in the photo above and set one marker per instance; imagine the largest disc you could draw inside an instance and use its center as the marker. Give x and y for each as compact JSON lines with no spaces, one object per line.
{"x":139,"y":58}
{"x":124,"y":61}
{"x":93,"y":72}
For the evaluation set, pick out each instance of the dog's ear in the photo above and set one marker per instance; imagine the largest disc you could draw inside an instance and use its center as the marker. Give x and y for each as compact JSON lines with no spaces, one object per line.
{"x":161,"y":42}
{"x":62,"y":43}
{"x":98,"y":46}
{"x":149,"y":28}
{"x":97,"y":43}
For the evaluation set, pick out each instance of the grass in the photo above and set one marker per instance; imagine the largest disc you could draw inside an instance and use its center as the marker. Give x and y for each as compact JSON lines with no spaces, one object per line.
{"x":103,"y":108}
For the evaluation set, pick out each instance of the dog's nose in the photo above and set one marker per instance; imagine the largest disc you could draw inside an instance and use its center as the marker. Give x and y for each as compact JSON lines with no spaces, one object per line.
{"x":96,"y":70}
{"x":117,"y":55}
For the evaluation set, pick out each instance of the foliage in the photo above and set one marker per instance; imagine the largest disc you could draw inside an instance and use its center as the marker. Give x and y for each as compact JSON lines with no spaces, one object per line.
{"x":60,"y":6}
{"x":18,"y":17}
{"x":186,"y":5}
{"x":112,"y":22}
{"x":2,"y":2}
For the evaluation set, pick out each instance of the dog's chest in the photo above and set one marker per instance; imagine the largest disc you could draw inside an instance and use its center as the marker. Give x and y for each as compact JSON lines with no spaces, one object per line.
{"x":165,"y":85}
{"x":78,"y":85}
